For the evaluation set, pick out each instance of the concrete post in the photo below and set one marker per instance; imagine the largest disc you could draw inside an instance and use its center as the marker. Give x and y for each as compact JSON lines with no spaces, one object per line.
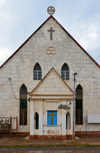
{"x":31,"y":117}
{"x":63,"y":120}
{"x":71,"y":118}
{"x":41,"y":117}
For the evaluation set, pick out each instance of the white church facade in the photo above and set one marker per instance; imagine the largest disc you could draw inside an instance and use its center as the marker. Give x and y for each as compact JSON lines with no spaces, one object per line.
{"x":38,"y":77}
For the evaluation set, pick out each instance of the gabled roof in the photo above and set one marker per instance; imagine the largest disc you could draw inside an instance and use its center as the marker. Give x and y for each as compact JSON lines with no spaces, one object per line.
{"x":39,"y":84}
{"x":63,"y":29}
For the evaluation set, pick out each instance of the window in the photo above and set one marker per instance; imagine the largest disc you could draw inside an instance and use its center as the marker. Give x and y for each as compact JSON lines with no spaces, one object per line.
{"x":65,"y":72}
{"x":23,"y":105}
{"x":37,"y":73}
{"x":52,"y":118}
{"x":36,"y":121}
{"x":79,"y":105}
{"x":68,"y":121}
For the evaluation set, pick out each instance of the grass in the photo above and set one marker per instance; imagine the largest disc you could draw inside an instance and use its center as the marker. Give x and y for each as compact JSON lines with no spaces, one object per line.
{"x":28,"y":141}
{"x":73,"y":142}
{"x":39,"y":146}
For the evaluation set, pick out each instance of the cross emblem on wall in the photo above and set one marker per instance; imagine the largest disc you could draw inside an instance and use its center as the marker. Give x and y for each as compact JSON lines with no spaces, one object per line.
{"x":52,"y":115}
{"x":51,"y":33}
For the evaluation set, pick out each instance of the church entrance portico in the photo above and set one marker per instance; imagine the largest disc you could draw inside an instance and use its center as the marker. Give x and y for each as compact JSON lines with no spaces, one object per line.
{"x":52,"y":121}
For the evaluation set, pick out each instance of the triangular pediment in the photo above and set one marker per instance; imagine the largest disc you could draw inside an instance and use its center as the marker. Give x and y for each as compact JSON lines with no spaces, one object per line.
{"x":41,"y":33}
{"x":52,"y":83}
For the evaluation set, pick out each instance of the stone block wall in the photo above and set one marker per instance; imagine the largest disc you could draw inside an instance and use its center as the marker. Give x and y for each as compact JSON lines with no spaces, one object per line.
{"x":20,"y":69}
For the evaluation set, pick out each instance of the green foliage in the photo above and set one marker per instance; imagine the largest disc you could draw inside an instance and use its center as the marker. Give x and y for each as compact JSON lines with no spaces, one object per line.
{"x":38,"y":146}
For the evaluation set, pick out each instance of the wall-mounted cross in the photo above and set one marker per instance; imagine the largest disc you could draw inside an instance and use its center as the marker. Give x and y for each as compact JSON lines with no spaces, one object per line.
{"x":51,"y":115}
{"x":51,"y":33}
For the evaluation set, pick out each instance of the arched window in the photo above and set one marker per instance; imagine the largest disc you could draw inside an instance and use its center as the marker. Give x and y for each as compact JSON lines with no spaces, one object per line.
{"x":23,"y":105}
{"x":65,"y":72}
{"x":36,"y":121}
{"x":68,"y":121}
{"x":79,"y":105}
{"x":37,"y":72}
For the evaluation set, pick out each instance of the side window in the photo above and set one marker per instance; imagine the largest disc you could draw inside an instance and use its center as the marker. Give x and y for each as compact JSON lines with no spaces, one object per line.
{"x":65,"y":72}
{"x":37,"y":72}
{"x":23,"y":105}
{"x":51,"y":117}
{"x":36,"y":116}
{"x":68,"y":121}
{"x":79,"y":105}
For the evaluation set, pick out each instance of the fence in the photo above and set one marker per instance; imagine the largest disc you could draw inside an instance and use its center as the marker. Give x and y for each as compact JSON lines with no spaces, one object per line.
{"x":8,"y":125}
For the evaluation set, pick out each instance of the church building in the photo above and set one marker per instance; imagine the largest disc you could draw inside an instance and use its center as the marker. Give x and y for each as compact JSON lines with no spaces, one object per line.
{"x":38,"y":78}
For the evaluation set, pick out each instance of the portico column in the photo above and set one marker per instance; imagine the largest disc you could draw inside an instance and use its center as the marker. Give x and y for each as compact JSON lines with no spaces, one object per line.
{"x":41,"y":117}
{"x":32,"y":117}
{"x":63,"y":120}
{"x":71,"y":118}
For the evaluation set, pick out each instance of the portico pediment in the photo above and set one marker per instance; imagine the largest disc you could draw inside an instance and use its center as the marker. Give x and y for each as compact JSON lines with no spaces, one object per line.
{"x":52,"y":84}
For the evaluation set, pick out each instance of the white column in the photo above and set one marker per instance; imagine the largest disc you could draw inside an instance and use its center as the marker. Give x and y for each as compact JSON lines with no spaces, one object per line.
{"x":71,"y":118}
{"x":41,"y":117}
{"x":63,"y":120}
{"x":31,"y":117}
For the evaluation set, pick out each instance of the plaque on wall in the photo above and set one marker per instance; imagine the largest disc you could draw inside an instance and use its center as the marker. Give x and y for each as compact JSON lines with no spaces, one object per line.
{"x":51,"y":51}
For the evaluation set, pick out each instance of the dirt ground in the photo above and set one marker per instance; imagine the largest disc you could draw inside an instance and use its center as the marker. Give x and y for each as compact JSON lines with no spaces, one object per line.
{"x":11,"y":141}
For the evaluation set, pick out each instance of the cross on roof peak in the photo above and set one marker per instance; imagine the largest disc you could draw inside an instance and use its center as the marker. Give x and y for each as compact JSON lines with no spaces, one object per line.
{"x":51,"y":10}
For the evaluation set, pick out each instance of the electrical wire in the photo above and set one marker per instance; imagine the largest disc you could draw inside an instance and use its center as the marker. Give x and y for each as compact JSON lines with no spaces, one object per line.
{"x":9,"y":79}
{"x":12,"y":89}
{"x":3,"y":83}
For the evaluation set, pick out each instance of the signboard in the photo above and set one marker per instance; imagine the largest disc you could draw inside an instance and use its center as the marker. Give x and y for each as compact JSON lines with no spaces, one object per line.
{"x":14,"y":126}
{"x":93,"y":118}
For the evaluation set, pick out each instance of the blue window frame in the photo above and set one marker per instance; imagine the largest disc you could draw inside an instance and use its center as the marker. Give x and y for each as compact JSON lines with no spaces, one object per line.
{"x":52,"y":118}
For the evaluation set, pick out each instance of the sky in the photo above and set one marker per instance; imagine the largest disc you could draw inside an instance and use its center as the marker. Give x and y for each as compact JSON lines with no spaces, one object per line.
{"x":20,"y":18}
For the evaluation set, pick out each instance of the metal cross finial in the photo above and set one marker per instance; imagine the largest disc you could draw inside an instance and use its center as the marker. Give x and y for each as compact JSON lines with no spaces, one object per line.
{"x":51,"y":10}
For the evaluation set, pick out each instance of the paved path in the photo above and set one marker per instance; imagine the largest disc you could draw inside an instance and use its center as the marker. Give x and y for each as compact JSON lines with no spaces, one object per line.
{"x":50,"y":150}
{"x":5,"y":141}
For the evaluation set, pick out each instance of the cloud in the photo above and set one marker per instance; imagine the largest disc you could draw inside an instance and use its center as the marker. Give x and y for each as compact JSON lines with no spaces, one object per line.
{"x":19,"y":19}
{"x":4,"y":54}
{"x":2,"y":1}
{"x":88,"y":34}
{"x":85,"y":31}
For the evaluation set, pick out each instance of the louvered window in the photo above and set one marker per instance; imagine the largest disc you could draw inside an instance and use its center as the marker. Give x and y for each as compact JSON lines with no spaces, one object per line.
{"x":36,"y":120}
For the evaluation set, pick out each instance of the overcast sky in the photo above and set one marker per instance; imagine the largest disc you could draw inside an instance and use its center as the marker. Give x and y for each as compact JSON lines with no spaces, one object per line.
{"x":20,"y":18}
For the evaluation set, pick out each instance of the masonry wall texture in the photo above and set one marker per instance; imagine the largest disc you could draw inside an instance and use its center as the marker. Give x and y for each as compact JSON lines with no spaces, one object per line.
{"x":20,"y":69}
